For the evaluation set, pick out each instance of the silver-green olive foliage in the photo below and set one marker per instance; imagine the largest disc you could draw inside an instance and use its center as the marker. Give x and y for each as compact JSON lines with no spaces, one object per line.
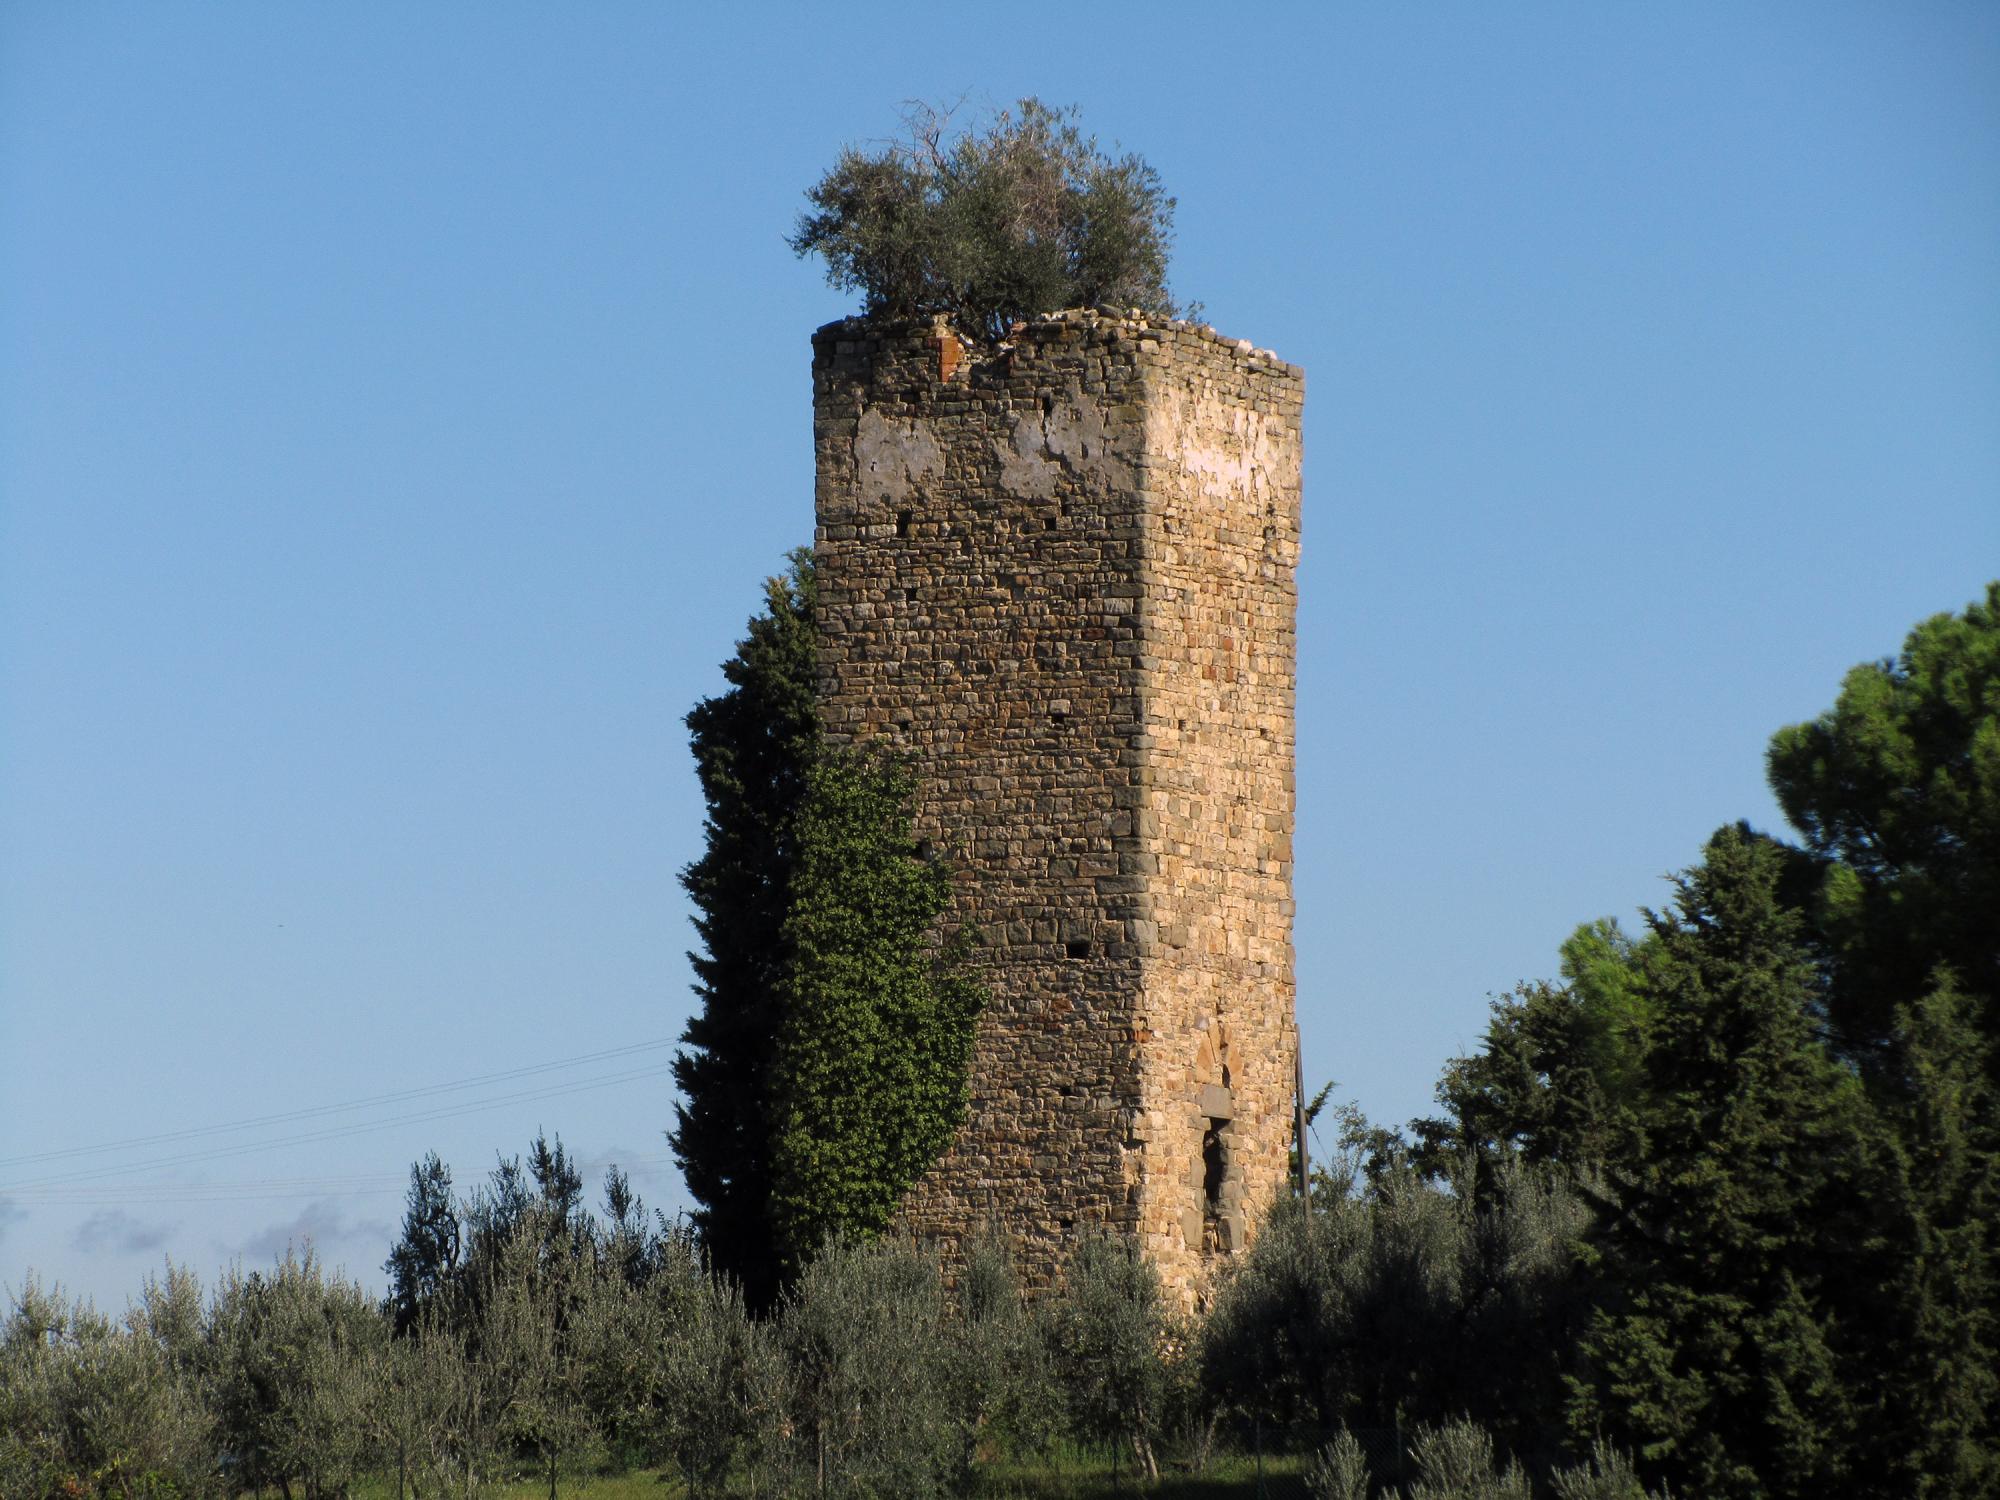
{"x":993,"y":225}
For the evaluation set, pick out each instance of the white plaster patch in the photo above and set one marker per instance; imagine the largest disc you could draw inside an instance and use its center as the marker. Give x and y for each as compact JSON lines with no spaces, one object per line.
{"x":1070,"y":436}
{"x":1023,"y":469}
{"x":893,"y":458}
{"x":1233,"y":453}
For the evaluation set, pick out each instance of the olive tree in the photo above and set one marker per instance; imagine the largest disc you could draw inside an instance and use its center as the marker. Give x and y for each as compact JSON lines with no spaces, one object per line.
{"x":991,"y":225}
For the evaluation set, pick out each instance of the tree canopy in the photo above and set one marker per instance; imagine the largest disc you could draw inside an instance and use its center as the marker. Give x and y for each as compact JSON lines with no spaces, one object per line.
{"x":993,"y":225}
{"x":1897,"y":791}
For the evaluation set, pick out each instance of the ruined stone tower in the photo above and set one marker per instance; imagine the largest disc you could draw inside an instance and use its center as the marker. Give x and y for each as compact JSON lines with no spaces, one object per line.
{"x":1060,"y":574}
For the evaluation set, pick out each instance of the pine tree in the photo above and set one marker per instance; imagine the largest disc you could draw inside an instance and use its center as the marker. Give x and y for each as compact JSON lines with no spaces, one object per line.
{"x":753,"y":744}
{"x":1897,"y":790}
{"x":1713,"y":1352}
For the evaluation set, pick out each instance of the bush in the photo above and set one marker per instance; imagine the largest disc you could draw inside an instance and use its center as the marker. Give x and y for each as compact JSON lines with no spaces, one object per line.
{"x":1003,"y":1395}
{"x":722,"y":1379}
{"x":1455,"y":1462}
{"x":1608,"y":1475}
{"x":1339,"y":1471}
{"x":991,"y":226}
{"x":1403,"y":1298}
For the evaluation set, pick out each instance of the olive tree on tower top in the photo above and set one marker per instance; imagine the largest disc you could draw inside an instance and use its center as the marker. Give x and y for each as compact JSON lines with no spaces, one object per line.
{"x":993,"y":225}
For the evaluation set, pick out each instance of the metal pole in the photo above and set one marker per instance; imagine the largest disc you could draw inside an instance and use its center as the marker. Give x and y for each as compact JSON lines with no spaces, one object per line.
{"x":1299,"y":1104}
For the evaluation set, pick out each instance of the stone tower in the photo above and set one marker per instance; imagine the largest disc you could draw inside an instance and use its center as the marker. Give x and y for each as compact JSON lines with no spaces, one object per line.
{"x":1060,"y":573}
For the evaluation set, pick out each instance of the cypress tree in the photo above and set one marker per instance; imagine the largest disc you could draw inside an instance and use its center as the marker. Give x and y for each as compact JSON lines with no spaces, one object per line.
{"x":753,"y":744}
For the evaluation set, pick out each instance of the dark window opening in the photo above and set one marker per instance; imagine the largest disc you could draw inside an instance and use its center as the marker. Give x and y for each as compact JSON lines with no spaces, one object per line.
{"x":1078,"y":947}
{"x":1214,"y":1166}
{"x":903,"y":519}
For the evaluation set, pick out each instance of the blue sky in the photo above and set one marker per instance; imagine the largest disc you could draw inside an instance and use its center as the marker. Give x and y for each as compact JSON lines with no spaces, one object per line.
{"x":399,"y":407}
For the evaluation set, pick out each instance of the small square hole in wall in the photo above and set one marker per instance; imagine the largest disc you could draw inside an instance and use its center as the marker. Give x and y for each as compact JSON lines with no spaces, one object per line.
{"x":1048,"y":523}
{"x":903,"y":519}
{"x":1058,"y":717}
{"x":909,"y":596}
{"x":1077,"y":947}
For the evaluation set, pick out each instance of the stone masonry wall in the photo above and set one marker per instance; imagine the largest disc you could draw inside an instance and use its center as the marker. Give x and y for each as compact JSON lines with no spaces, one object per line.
{"x":1060,"y":573}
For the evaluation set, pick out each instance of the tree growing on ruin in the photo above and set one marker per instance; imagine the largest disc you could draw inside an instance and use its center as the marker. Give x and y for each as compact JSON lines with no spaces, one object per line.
{"x":991,"y":225}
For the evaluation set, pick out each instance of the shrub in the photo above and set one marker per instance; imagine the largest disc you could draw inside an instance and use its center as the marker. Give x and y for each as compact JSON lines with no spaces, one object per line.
{"x":1002,"y":1393}
{"x":1607,"y":1475}
{"x":1405,"y":1297}
{"x":1339,"y":1471}
{"x":1455,"y":1462}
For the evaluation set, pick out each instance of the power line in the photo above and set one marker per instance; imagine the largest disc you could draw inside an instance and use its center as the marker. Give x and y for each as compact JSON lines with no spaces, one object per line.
{"x":337,"y":1132}
{"x":317,"y":1111}
{"x":99,"y":1195}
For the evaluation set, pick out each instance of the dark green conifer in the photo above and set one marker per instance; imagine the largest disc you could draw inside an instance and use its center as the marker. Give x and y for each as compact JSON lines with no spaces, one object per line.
{"x":1713,"y":1351}
{"x":753,"y":744}
{"x":1927,"y":1313}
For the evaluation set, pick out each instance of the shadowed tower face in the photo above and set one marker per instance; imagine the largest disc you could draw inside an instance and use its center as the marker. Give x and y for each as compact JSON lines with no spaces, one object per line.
{"x":1060,"y":575}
